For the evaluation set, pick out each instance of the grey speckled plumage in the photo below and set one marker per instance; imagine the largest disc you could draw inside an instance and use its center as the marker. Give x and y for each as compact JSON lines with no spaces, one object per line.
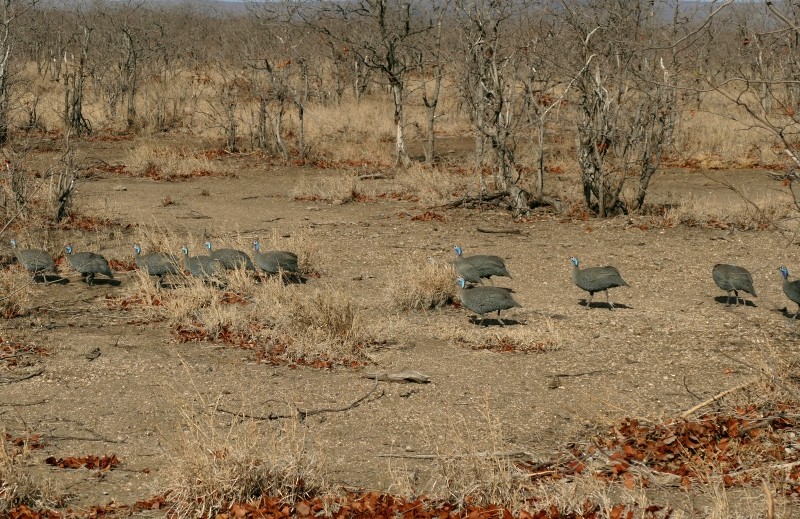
{"x":157,"y":264}
{"x":596,"y":279}
{"x":230,"y":258}
{"x":274,"y":261}
{"x":732,"y":278}
{"x":204,"y":267}
{"x":88,"y":264}
{"x":474,"y":268}
{"x":791,"y":289}
{"x":483,"y":300}
{"x":35,"y":261}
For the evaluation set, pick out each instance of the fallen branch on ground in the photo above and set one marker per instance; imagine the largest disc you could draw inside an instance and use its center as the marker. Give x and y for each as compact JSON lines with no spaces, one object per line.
{"x":402,"y":376}
{"x":716,"y":397}
{"x":304,"y":413}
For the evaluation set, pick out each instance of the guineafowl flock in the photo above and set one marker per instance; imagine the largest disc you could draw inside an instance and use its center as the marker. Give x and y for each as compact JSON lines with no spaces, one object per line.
{"x":39,"y":263}
{"x":470,"y":272}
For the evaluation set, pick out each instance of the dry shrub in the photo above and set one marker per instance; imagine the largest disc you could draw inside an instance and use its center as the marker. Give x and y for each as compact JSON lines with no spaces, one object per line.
{"x":424,"y":286}
{"x":322,"y":324}
{"x":206,"y":311}
{"x":159,"y":163}
{"x":17,"y":486}
{"x":15,"y":286}
{"x":217,"y":465}
{"x":283,"y":323}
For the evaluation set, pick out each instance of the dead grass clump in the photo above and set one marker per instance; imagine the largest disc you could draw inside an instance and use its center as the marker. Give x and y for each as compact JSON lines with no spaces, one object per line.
{"x":217,"y":466}
{"x":15,"y":284}
{"x":172,"y":164}
{"x":759,"y":214}
{"x":18,"y":488}
{"x":323,"y":325}
{"x":339,"y":189}
{"x":429,"y":185}
{"x":540,"y":339}
{"x":423,"y":287}
{"x":202,"y":311}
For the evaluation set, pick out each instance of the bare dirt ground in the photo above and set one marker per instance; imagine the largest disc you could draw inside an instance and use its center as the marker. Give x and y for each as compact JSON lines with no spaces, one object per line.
{"x":671,"y":343}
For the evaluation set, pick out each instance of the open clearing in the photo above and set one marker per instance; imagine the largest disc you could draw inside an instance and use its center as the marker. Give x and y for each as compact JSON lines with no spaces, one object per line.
{"x":671,"y":343}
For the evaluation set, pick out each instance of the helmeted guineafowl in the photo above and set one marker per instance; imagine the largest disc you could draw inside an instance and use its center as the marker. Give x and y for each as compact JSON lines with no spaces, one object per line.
{"x":791,"y":289}
{"x":203,"y":267}
{"x":483,"y":300}
{"x":596,"y":279}
{"x":732,"y":278}
{"x":35,"y":261}
{"x":274,"y":261}
{"x":88,"y":264}
{"x":230,"y":258}
{"x":156,"y":263}
{"x":482,"y":265}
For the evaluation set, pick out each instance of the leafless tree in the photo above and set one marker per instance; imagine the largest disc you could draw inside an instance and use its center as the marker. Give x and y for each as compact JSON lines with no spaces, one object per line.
{"x":384,"y":35}
{"x":10,"y":12}
{"x":626,"y":100}
{"x":491,"y":88}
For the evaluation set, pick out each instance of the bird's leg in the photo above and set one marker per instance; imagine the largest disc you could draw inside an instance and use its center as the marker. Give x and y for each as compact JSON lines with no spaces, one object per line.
{"x":728,"y":300}
{"x":589,"y":302}
{"x":608,"y":300}
{"x":500,"y":320}
{"x":736,"y":293}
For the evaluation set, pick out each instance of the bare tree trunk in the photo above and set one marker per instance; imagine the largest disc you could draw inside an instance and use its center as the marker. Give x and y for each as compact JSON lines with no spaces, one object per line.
{"x":401,"y":157}
{"x":130,"y":79}
{"x":74,"y":96}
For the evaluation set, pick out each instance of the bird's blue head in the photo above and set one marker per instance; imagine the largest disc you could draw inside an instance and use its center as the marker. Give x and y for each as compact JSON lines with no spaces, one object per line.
{"x":208,"y":245}
{"x":185,"y":250}
{"x":14,"y":243}
{"x":784,"y":272}
{"x":256,"y":245}
{"x":458,"y":250}
{"x":461,"y":282}
{"x":137,"y":249}
{"x":68,"y":248}
{"x":574,"y":261}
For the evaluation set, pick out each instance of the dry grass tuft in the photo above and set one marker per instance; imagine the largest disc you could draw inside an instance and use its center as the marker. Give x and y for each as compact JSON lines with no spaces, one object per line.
{"x":316,"y":326}
{"x":423,"y":287}
{"x":431,"y":186}
{"x":545,"y":336}
{"x":147,"y":160}
{"x":763,"y":213}
{"x":17,"y":486}
{"x":15,"y":286}
{"x":337,"y":189}
{"x":219,"y":465}
{"x":475,"y":471}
